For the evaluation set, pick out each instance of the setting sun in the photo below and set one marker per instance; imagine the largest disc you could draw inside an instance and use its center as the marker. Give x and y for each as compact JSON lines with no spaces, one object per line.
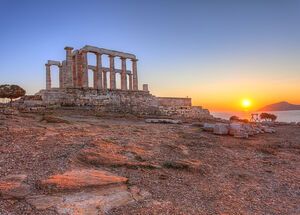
{"x":246,"y":103}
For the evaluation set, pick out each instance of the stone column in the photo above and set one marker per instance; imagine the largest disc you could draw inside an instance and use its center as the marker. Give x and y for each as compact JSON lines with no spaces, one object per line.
{"x":145,"y":87}
{"x":85,"y":77}
{"x":123,"y":75}
{"x":64,"y":71}
{"x":134,"y":74}
{"x":104,"y":79}
{"x":69,"y":68}
{"x":79,"y":69}
{"x":61,"y":77}
{"x":48,"y":77}
{"x":130,"y":81}
{"x":112,"y":72}
{"x":98,"y":76}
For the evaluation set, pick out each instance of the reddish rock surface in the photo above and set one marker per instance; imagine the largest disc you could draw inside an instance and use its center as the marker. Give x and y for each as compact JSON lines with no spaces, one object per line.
{"x":79,"y":179}
{"x":196,"y":172}
{"x":13,"y":187}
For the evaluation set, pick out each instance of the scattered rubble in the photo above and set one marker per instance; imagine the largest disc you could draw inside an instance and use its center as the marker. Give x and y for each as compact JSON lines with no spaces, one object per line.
{"x":238,"y":129}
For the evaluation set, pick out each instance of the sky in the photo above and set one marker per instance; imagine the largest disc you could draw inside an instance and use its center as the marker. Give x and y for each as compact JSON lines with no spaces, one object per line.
{"x":216,"y":52}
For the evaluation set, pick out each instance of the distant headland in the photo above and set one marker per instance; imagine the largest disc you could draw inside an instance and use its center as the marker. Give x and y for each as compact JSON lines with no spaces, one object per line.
{"x":280,"y":106}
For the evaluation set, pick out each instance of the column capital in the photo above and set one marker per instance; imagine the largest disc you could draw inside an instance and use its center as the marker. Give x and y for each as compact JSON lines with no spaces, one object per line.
{"x":46,"y":64}
{"x":111,"y":56}
{"x":123,"y":58}
{"x":69,"y":48}
{"x":134,"y":59}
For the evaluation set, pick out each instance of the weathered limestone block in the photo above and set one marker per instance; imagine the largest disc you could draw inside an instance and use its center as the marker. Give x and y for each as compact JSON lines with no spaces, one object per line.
{"x":168,"y":121}
{"x":208,"y":127}
{"x":221,"y":129}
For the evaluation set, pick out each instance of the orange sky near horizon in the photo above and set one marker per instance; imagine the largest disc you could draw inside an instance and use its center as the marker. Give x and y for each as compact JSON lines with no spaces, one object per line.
{"x":227,"y":95}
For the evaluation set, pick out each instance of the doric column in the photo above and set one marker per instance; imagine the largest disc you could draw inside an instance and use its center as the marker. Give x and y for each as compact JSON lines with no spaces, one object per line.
{"x":74,"y":70}
{"x":48,"y":77}
{"x":98,"y":76}
{"x":61,"y":77}
{"x":123,"y":75}
{"x":130,"y":81}
{"x":134,"y":74}
{"x":69,"y":67}
{"x":112,"y":72}
{"x":145,"y":87}
{"x":104,"y":79}
{"x":85,"y":77}
{"x":64,"y":75}
{"x":79,"y":70}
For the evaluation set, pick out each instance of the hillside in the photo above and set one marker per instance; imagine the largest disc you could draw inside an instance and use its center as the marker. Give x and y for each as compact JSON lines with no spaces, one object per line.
{"x":280,"y":106}
{"x":77,"y":162}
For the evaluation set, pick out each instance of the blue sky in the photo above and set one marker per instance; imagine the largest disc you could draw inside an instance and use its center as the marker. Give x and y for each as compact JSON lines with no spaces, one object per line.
{"x":201,"y":49}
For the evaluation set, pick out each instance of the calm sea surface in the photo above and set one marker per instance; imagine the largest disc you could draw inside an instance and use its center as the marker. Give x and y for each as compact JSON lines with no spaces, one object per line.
{"x":282,"y":116}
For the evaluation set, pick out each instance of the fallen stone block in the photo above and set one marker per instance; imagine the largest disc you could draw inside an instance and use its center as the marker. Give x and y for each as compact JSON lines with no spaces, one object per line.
{"x":221,"y":129}
{"x":268,"y":130}
{"x":238,"y":130}
{"x":208,"y":127}
{"x":169,"y":121}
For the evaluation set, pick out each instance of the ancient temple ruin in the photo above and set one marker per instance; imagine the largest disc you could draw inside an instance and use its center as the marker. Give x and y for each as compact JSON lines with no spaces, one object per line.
{"x":73,"y":71}
{"x":104,"y":95}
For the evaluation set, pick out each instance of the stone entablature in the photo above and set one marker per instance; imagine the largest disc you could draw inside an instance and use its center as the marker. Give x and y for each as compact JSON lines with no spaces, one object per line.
{"x":73,"y":71}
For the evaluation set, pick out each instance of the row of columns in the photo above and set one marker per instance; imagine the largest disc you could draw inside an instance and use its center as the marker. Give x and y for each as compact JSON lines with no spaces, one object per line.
{"x":100,"y":80}
{"x":73,"y":72}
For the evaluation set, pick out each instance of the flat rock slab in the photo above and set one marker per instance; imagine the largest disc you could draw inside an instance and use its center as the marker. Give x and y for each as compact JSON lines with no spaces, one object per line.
{"x":89,"y":202}
{"x":82,"y":178}
{"x":13,"y":187}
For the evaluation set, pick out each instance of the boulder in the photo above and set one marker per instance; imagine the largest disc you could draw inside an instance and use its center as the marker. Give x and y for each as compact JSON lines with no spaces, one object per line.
{"x":208,"y":127}
{"x":221,"y":129}
{"x":13,"y":187}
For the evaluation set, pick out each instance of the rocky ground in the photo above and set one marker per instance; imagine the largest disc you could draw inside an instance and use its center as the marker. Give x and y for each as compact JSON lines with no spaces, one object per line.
{"x":79,"y":162}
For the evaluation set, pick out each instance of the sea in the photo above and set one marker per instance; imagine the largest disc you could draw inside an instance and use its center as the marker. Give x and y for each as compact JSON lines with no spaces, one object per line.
{"x":282,"y":116}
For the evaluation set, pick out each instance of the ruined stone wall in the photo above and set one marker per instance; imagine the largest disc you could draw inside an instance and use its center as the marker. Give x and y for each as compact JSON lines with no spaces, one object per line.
{"x":118,"y":101}
{"x":135,"y":102}
{"x":174,"y":102}
{"x":191,"y":112}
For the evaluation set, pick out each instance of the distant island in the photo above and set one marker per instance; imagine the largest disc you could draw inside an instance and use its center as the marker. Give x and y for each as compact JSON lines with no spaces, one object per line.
{"x":280,"y":106}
